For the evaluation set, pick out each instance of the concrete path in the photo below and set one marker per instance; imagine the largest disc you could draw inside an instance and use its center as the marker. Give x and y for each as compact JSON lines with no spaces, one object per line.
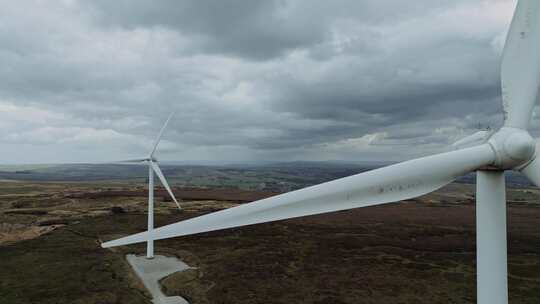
{"x":151,"y":271}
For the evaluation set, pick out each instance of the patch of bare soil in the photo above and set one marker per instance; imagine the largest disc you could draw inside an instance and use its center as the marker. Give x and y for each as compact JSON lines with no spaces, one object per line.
{"x":187,"y":194}
{"x":189,"y":283}
{"x":10,"y":233}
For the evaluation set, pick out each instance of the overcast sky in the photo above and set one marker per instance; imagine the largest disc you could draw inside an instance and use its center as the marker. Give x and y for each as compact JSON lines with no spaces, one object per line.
{"x":249,"y":80}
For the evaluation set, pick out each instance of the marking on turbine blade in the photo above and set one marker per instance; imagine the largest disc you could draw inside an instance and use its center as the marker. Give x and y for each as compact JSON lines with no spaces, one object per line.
{"x":398,"y":187}
{"x":506,"y":103}
{"x":528,"y":18}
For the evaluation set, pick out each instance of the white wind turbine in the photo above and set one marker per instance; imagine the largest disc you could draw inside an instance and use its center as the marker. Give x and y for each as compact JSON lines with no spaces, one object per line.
{"x":509,"y":148}
{"x":153,"y":167}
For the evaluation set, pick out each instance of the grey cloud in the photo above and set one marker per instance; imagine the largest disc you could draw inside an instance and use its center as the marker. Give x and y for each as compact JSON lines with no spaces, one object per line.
{"x":256,"y":29}
{"x":248,"y":79}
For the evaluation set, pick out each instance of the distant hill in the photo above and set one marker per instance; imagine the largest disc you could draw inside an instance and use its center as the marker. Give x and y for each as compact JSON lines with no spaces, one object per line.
{"x":278,"y":176}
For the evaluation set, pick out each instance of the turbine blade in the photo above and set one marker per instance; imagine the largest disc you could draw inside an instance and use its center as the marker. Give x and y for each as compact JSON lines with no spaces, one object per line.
{"x":158,"y":138}
{"x":532,"y":169}
{"x":161,"y":177}
{"x":390,"y":184}
{"x":520,"y":69}
{"x":126,"y":161}
{"x":137,"y":160}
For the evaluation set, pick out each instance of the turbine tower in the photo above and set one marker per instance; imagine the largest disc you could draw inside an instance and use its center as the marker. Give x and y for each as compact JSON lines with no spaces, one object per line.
{"x":509,"y":148}
{"x":153,"y":167}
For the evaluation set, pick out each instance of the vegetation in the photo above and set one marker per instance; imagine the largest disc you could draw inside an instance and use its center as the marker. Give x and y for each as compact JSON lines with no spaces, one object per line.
{"x":419,"y":251}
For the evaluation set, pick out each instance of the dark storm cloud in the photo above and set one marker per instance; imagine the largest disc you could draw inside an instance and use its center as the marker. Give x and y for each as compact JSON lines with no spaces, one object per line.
{"x":247,"y":79}
{"x":255,"y":29}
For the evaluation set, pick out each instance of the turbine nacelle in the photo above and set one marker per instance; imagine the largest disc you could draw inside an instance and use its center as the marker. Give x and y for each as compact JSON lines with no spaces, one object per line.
{"x":513,"y":148}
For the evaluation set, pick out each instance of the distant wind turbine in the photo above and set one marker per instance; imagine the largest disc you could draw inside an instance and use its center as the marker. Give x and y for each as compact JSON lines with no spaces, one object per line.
{"x":509,"y":148}
{"x":153,"y":167}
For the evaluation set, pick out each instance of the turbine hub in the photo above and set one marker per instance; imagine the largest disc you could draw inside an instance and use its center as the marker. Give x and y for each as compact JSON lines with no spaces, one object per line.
{"x":513,"y":147}
{"x":520,"y":146}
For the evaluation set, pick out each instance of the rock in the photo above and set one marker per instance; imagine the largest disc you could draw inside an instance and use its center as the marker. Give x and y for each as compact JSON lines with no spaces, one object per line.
{"x":117,"y":210}
{"x":52,"y":221}
{"x":27,"y":211}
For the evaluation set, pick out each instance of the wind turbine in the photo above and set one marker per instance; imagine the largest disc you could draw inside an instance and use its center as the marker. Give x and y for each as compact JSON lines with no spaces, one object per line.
{"x":509,"y":148}
{"x":153,"y":167}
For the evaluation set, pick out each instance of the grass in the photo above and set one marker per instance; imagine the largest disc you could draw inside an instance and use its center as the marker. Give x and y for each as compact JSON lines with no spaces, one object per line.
{"x":398,"y":253}
{"x":64,"y":267}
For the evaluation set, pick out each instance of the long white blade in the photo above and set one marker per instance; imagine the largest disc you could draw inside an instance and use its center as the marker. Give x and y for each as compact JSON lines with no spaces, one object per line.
{"x":397,"y":182}
{"x":124,"y":161}
{"x":158,"y":138}
{"x":161,"y":177}
{"x":520,"y":70}
{"x":491,"y":256}
{"x":137,"y":160}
